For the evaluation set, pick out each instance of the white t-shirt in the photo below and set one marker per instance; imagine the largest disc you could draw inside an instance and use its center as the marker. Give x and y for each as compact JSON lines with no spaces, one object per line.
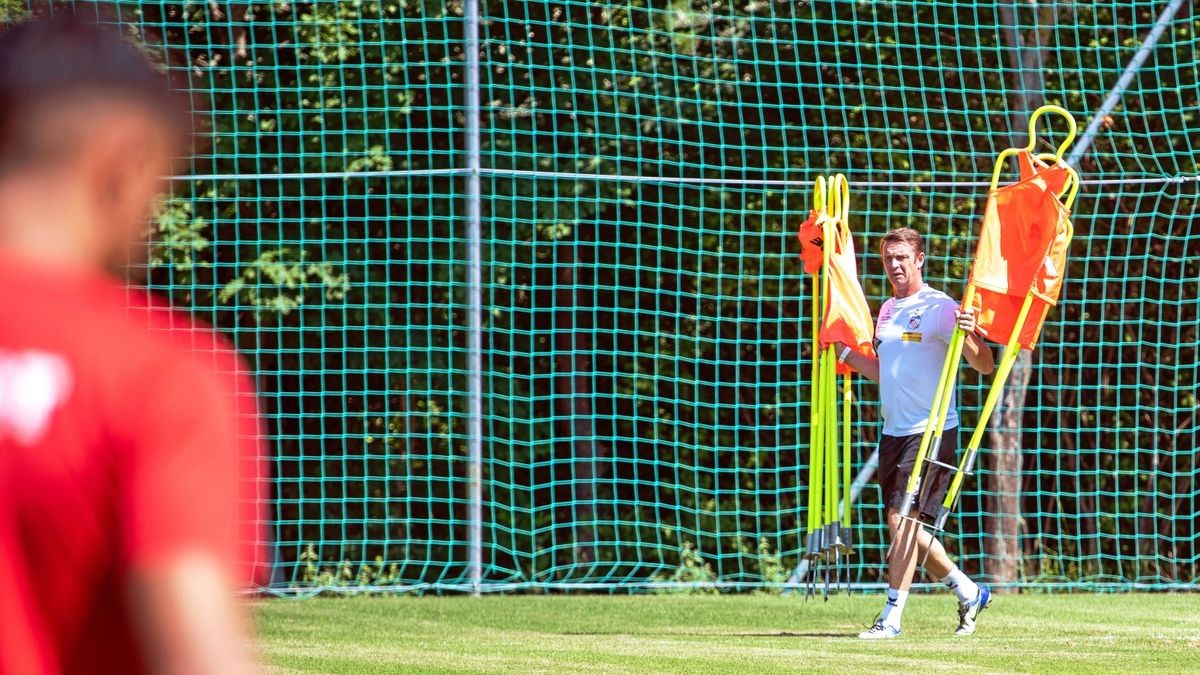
{"x":912,"y":336}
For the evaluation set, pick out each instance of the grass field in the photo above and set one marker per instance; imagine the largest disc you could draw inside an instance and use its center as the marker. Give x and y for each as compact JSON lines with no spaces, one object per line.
{"x":1117,"y":633}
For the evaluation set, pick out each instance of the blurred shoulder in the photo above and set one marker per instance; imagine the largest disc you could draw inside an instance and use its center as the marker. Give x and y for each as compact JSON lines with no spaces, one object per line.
{"x":174,"y":328}
{"x":186,"y":340}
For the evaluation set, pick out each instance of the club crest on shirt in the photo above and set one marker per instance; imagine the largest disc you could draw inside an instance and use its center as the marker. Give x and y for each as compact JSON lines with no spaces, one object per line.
{"x":914,"y":318}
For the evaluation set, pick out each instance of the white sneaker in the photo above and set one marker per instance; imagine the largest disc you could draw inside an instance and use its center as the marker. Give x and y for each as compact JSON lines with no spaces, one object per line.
{"x":968,"y":612}
{"x":880,"y":631}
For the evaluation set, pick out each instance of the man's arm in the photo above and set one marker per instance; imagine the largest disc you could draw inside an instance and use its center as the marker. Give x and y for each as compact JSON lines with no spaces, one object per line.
{"x":867,"y":365}
{"x":978,"y":354}
{"x":188,"y":617}
{"x":183,"y":555}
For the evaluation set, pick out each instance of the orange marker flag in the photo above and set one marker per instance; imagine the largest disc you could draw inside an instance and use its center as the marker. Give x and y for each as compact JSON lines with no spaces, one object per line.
{"x":847,"y":317}
{"x":1022,"y":248}
{"x":812,"y":239}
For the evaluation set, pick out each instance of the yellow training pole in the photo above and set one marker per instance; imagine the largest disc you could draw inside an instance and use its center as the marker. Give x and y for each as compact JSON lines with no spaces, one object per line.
{"x":844,"y":540}
{"x":815,"y":440}
{"x":1011,"y":350}
{"x":825,"y":534}
{"x":931,"y":439}
{"x":847,"y":542}
{"x":829,"y":392}
{"x":831,"y":529}
{"x":813,"y":544}
{"x":833,"y":205}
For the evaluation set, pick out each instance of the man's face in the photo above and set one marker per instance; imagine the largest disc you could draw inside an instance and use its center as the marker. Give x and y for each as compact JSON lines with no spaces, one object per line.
{"x":902,"y":263}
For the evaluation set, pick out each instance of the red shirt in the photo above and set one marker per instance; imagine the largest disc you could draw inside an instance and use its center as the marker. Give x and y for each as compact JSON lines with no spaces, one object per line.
{"x":128,"y":435}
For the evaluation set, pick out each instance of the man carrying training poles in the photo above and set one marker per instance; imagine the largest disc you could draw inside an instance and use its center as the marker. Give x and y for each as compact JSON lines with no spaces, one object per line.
{"x":1016,"y":277}
{"x":912,"y":337}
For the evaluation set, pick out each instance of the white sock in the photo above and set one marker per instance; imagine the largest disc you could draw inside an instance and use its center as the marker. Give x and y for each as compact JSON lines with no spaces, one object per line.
{"x":961,"y":584}
{"x":894,"y":608}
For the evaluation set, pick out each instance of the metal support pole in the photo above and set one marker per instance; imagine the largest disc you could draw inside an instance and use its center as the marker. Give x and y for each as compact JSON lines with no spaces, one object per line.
{"x":475,"y":294}
{"x":1131,"y":70}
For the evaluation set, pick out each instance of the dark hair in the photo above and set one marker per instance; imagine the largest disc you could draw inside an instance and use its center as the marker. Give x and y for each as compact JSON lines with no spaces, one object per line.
{"x":903,"y":235}
{"x":55,"y":61}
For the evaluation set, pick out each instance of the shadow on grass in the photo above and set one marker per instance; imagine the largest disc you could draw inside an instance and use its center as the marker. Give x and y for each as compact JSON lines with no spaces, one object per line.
{"x":716,"y":634}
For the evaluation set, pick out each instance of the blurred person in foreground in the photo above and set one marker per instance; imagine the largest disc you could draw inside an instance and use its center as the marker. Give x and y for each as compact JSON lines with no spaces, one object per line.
{"x":129,"y":466}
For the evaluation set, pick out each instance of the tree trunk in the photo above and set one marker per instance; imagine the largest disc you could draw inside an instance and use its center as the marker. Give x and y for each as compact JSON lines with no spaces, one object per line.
{"x":573,"y":405}
{"x":574,"y":392}
{"x":1085,"y":500}
{"x":1003,"y":545}
{"x":1027,"y":62}
{"x":1002,"y":562}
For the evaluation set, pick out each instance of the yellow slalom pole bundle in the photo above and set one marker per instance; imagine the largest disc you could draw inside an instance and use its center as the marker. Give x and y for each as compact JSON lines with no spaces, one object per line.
{"x":932,"y":437}
{"x":829,"y":537}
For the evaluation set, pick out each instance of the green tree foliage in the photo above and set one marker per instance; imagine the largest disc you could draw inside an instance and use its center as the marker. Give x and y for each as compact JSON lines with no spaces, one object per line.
{"x":325,"y":229}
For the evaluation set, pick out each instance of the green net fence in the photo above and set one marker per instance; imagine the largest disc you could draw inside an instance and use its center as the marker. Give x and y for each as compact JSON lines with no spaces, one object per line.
{"x":645,"y":339}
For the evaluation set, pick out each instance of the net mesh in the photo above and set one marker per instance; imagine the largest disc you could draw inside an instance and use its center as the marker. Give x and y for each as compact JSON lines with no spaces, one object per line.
{"x":646,"y":339}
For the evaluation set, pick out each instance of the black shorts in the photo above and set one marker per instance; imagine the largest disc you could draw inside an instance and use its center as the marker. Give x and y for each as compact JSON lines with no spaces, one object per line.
{"x":896,"y":457}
